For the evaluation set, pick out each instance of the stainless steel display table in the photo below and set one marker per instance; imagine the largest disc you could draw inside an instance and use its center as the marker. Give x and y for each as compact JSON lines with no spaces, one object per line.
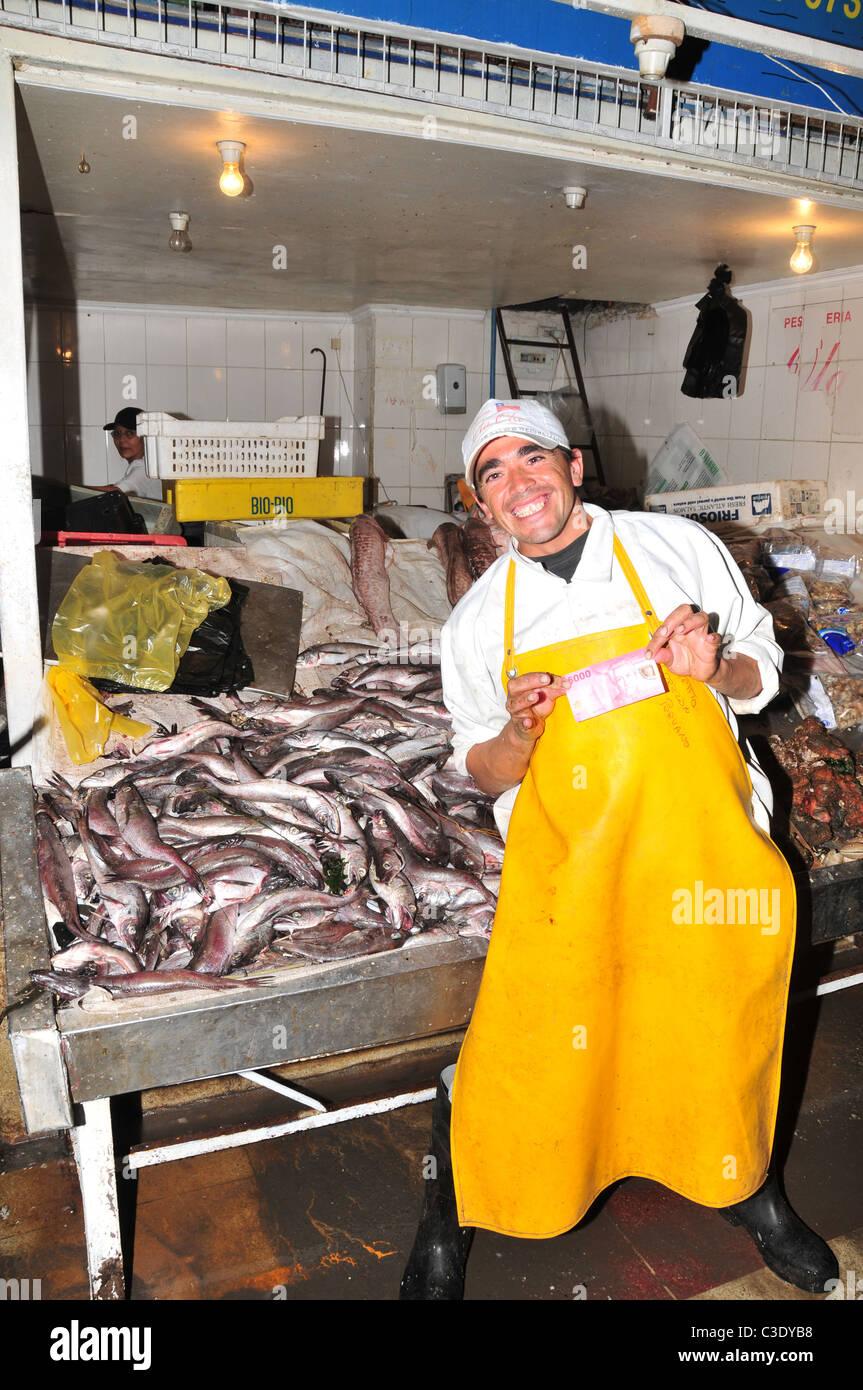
{"x":69,"y":1062}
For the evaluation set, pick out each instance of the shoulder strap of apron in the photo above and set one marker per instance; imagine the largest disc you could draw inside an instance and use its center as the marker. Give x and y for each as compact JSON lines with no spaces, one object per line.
{"x":509,"y":603}
{"x":509,"y":621}
{"x":636,"y":586}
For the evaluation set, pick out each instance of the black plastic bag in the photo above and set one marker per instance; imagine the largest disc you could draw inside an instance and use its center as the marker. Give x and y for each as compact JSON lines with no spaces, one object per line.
{"x":714,"y":357}
{"x":215,"y":661}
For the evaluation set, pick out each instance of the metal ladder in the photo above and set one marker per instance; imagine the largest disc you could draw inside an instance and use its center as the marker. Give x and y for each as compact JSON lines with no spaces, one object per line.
{"x":587,"y":445}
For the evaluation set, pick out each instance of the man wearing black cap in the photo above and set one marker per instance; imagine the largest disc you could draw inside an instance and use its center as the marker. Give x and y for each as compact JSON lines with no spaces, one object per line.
{"x":130,"y":447}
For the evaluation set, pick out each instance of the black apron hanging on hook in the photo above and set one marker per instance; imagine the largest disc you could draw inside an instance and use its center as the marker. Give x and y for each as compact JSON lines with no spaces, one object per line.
{"x":714,"y":357}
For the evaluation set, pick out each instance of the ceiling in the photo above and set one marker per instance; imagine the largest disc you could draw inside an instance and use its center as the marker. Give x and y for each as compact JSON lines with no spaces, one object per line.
{"x":368,"y":218}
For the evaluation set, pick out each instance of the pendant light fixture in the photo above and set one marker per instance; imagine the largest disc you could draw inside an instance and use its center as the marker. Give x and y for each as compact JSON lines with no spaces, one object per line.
{"x":231,"y":181}
{"x":179,"y":239}
{"x":801,"y":260}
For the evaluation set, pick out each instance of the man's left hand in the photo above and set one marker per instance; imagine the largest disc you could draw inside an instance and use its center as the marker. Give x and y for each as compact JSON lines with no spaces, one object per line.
{"x":685,"y":644}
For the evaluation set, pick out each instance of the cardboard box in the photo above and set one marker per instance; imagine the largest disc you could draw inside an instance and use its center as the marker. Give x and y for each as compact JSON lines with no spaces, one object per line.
{"x":778,"y":502}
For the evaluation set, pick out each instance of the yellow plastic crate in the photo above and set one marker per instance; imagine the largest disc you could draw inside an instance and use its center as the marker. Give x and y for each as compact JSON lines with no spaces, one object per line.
{"x":264,"y":499}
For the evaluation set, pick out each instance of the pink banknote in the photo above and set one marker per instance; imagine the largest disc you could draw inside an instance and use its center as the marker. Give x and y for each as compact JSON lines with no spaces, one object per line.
{"x":611,"y":684}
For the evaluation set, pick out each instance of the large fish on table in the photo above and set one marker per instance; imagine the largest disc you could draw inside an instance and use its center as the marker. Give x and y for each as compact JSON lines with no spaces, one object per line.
{"x":71,"y":986}
{"x":371,"y":557}
{"x":447,"y":541}
{"x":139,"y":830}
{"x":230,"y":939}
{"x":385,"y":873}
{"x":57,"y":879}
{"x":479,"y":545}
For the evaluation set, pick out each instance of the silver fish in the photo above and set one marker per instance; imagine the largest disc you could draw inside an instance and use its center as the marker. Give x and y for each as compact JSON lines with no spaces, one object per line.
{"x":386,"y":873}
{"x":438,"y":887}
{"x":158,"y":982}
{"x":333,"y":654}
{"x":299,"y":863}
{"x":230,"y":940}
{"x":123,"y":901}
{"x":111,"y":960}
{"x":140,"y":831}
{"x":56,"y":874}
{"x":188,"y":738}
{"x":271,"y":789}
{"x":479,"y":545}
{"x":371,"y":556}
{"x":447,"y":541}
{"x":421,"y":831}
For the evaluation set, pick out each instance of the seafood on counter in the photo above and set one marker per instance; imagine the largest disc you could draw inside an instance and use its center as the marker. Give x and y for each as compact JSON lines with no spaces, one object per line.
{"x":371,"y":557}
{"x":466,"y":552}
{"x":826,"y":810}
{"x":447,"y":541}
{"x":316,"y":828}
{"x":845,"y":694}
{"x":480,"y":545}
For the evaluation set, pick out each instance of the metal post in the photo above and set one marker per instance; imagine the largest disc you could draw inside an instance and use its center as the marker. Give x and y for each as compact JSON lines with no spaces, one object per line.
{"x":93,"y":1147}
{"x":19,"y":605}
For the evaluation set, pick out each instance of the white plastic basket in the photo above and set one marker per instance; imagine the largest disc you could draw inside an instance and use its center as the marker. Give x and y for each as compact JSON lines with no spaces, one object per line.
{"x":224,"y":449}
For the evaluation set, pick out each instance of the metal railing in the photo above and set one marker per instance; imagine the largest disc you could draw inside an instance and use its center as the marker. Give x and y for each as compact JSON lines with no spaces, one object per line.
{"x":607,"y":103}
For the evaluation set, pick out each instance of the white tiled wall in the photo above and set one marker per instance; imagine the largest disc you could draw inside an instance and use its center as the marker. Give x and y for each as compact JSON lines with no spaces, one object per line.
{"x":800,"y":421}
{"x":797,"y":421}
{"x":414,"y":446}
{"x":86,"y":364}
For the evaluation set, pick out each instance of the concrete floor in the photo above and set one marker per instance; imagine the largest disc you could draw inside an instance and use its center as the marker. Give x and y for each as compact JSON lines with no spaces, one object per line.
{"x":332,"y":1214}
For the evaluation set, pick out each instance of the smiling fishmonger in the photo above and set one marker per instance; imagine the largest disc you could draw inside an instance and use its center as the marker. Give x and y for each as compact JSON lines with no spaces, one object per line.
{"x":593,"y":675}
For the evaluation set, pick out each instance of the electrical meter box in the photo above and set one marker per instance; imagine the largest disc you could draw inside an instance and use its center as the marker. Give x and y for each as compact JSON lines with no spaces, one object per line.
{"x":451,"y":389}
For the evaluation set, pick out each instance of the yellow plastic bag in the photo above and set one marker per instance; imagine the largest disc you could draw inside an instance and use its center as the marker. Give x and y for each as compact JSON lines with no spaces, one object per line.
{"x":131,"y":623}
{"x":86,"y":722}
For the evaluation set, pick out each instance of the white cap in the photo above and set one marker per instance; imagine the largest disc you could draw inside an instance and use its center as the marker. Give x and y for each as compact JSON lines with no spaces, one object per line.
{"x":524,"y":419}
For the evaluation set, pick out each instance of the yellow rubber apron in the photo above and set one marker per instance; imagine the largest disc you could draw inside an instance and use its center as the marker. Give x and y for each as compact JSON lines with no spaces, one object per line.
{"x":632,"y":1007}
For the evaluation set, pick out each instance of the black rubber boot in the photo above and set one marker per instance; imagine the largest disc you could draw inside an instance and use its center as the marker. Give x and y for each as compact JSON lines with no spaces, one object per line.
{"x":436,"y":1267}
{"x":787,"y":1246}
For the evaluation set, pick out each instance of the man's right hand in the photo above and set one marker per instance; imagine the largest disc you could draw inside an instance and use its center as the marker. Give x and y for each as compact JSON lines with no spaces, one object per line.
{"x":530,"y":700}
{"x":502,"y":761}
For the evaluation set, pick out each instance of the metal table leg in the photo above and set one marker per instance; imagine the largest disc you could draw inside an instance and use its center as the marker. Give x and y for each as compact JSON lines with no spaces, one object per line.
{"x":93,"y":1146}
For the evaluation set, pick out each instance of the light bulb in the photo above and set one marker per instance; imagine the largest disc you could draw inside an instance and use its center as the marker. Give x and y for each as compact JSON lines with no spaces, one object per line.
{"x":801,"y":260}
{"x":231,"y":181}
{"x":179,"y":239}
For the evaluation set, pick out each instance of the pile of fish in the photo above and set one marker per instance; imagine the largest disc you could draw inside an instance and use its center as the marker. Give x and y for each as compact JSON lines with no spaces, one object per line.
{"x":465,"y":551}
{"x":320,"y":828}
